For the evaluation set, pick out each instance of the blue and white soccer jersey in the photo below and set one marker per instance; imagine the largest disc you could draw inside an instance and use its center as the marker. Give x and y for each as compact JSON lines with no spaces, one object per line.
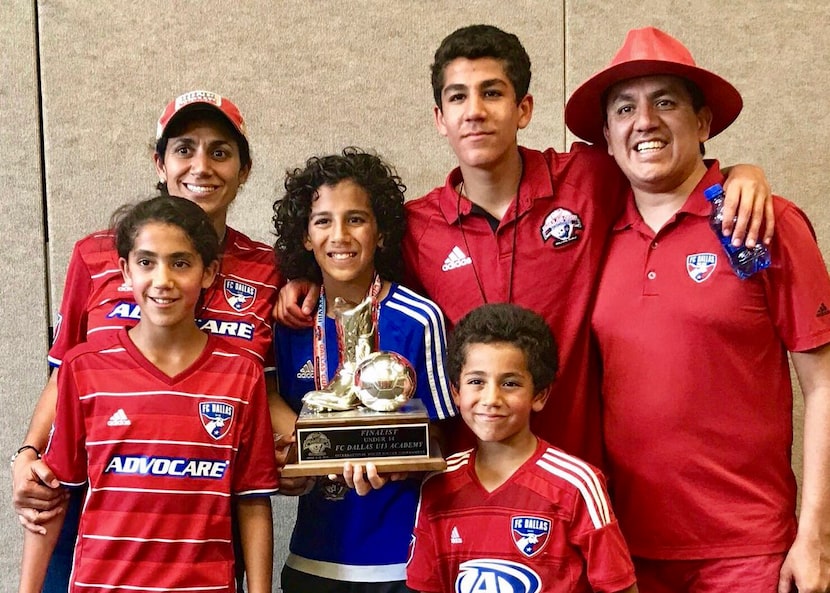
{"x":365,"y":538}
{"x":548,"y":528}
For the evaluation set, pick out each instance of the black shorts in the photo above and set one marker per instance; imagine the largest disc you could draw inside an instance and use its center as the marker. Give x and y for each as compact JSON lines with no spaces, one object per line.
{"x":294,"y":581}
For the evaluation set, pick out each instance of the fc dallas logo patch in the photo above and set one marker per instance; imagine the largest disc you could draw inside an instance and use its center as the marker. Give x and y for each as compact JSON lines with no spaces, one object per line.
{"x":530,"y":534}
{"x":216,"y":418}
{"x":239,"y":295}
{"x":701,"y":265}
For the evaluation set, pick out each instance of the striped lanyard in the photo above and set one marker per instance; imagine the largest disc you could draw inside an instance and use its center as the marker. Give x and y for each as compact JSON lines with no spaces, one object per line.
{"x":321,"y":375}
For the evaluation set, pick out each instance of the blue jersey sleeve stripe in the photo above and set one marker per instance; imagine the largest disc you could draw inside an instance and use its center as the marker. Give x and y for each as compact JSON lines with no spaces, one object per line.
{"x":435,"y":343}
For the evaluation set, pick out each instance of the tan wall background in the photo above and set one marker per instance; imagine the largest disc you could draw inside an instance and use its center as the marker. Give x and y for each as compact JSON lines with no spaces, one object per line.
{"x":82,"y":83}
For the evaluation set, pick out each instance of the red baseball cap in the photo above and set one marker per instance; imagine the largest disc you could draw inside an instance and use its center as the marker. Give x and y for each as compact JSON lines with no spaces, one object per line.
{"x":204,"y":100}
{"x":649,"y":52}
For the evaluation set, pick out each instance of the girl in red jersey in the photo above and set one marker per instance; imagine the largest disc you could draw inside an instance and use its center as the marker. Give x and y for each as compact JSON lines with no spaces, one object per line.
{"x":168,"y":426}
{"x":202,"y":154}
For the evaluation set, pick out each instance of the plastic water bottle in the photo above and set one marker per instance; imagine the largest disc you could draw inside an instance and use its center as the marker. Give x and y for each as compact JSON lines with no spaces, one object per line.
{"x":744,"y":261}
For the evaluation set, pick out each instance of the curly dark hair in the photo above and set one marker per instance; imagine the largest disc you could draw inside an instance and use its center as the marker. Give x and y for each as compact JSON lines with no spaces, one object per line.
{"x":483,"y":41}
{"x":509,"y":324}
{"x":291,"y":212}
{"x":129,"y":219}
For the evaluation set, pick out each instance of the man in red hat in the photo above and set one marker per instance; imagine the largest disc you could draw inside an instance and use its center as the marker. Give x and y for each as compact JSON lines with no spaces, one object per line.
{"x":696,"y":387}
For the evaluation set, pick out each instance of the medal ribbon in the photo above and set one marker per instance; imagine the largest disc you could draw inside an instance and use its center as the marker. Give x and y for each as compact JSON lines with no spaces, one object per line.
{"x":321,"y":374}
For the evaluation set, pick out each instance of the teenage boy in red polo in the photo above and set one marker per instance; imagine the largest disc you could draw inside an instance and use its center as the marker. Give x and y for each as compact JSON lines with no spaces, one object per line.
{"x":696,"y":386}
{"x":513,"y":224}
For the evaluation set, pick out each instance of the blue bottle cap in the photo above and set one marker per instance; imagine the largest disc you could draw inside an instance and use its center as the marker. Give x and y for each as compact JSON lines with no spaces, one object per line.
{"x":713,"y":192}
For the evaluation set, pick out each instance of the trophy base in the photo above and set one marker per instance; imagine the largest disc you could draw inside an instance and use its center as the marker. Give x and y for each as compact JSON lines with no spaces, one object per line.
{"x":398,"y":441}
{"x":384,"y":465}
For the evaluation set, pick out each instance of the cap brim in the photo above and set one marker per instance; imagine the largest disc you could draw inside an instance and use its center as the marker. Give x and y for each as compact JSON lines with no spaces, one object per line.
{"x":584,"y":110}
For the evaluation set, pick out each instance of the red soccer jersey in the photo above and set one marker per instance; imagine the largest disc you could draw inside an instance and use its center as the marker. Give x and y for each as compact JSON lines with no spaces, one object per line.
{"x":238,"y":305}
{"x":697,"y":392}
{"x":548,"y":528}
{"x":163,"y":457}
{"x":549,"y":262}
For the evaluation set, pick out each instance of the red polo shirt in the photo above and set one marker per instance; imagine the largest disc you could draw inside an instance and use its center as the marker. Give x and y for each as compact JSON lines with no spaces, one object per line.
{"x":697,"y":393}
{"x":544,"y":255}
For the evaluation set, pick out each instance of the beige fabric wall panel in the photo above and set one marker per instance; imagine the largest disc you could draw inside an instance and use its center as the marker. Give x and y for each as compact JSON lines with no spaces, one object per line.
{"x":23,"y":321}
{"x":310,"y":77}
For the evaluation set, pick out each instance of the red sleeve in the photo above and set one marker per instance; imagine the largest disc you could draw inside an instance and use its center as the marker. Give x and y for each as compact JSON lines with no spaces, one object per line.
{"x":70,"y":328}
{"x":255,"y":471}
{"x":609,"y":184}
{"x":66,"y":452}
{"x":596,"y":533}
{"x":798,"y":286}
{"x":411,"y":266}
{"x":422,"y":570}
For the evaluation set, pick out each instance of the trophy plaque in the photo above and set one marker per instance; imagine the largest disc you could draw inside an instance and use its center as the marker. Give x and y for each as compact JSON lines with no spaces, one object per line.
{"x":366,"y":414}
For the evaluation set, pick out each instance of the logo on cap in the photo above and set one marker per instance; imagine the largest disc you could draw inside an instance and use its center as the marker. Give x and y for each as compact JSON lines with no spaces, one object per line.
{"x":198,"y":97}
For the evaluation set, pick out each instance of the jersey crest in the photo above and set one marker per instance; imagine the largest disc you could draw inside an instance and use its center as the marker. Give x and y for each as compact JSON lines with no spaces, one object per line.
{"x":530,"y":534}
{"x":561,"y":225}
{"x":240,"y":296}
{"x":216,"y":418}
{"x":488,"y":575}
{"x":701,"y":265}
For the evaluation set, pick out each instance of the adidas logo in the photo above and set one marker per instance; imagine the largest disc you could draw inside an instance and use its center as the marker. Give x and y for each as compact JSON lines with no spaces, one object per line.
{"x":822,"y":310}
{"x":119,"y":419}
{"x":307,"y":371}
{"x":125,"y":288}
{"x":456,"y":259}
{"x":455,"y":538}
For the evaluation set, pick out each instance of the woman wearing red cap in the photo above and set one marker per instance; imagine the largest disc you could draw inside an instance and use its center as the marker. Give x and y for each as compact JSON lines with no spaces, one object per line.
{"x":202,"y":154}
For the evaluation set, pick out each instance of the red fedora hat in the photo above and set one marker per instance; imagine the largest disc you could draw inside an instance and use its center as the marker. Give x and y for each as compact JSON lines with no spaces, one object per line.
{"x":649,"y":52}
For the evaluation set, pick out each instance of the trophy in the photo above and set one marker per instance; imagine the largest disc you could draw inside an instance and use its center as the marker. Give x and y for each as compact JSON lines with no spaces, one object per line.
{"x":367,"y":412}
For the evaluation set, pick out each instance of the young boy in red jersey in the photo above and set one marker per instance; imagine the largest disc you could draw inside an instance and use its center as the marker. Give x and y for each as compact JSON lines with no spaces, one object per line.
{"x":514,"y":510}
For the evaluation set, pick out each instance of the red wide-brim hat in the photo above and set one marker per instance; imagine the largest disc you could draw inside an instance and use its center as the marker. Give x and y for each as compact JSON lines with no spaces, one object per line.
{"x":649,"y":52}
